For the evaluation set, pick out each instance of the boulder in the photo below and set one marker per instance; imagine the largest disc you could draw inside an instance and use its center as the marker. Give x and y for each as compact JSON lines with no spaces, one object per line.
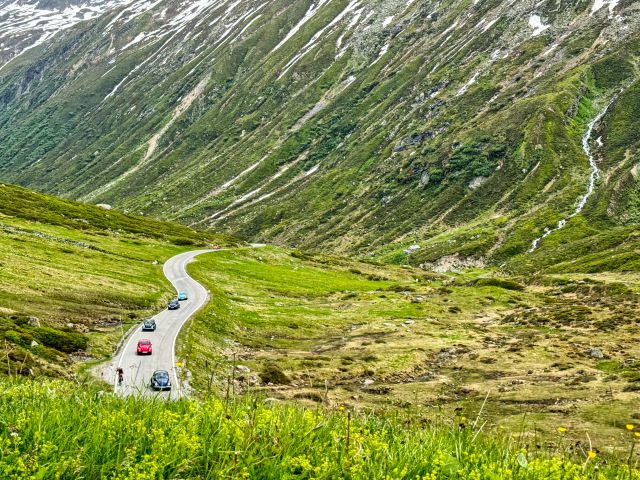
{"x":33,"y":321}
{"x":595,"y":353}
{"x":104,"y":206}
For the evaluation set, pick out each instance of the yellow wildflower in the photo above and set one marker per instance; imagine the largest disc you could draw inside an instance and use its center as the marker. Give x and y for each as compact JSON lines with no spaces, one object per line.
{"x":630,"y":426}
{"x":592,"y":454}
{"x":562,"y":429}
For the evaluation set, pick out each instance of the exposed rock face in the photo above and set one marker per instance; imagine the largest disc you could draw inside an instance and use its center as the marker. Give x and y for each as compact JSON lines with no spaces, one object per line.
{"x":33,"y":321}
{"x":454,"y":263}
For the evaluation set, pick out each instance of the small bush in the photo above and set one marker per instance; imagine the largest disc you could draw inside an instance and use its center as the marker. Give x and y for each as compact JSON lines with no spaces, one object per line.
{"x":500,"y":283}
{"x":314,"y":396}
{"x":273,"y":374}
{"x":184,"y":241}
{"x":64,"y":341}
{"x":400,"y":288}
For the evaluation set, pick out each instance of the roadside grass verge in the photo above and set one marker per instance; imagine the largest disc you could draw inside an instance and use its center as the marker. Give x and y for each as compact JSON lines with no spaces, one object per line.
{"x":57,"y":429}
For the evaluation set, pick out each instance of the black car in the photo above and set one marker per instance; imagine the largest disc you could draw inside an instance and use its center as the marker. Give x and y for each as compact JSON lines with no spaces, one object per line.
{"x":174,"y":304}
{"x":149,"y":325}
{"x":160,"y":380}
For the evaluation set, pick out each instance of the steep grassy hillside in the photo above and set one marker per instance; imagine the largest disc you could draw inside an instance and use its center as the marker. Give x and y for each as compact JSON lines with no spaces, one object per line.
{"x":73,"y":277}
{"x":321,"y":330}
{"x":57,"y":430}
{"x":341,"y":124}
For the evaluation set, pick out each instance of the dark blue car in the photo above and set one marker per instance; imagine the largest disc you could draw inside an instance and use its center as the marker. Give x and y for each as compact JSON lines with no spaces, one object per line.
{"x":149,"y":325}
{"x":160,"y":380}
{"x":174,"y":304}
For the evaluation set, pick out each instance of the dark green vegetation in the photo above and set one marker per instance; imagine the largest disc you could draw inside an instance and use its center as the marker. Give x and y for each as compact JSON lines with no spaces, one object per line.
{"x":376,"y":126}
{"x":55,"y":429}
{"x":322,"y":330}
{"x":73,"y":277}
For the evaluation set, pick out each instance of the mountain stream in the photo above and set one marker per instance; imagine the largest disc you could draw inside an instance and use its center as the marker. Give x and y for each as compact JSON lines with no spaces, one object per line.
{"x":595,"y":173}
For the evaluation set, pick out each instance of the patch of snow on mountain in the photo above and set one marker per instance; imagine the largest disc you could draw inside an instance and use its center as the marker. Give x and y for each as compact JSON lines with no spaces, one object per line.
{"x":313,"y":42}
{"x":490,"y":24}
{"x":312,"y":170}
{"x":141,"y":36}
{"x":449,"y":28}
{"x":598,"y":4}
{"x":133,"y":10}
{"x":313,"y":9}
{"x":382,"y":53}
{"x":244,"y":29}
{"x":466,"y":86}
{"x":25,"y":25}
{"x":535,"y":22}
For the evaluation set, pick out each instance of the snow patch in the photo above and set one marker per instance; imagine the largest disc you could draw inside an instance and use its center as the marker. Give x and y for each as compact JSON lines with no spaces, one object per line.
{"x":34,"y":25}
{"x":448,"y":29}
{"x":140,"y":37}
{"x":535,"y":22}
{"x":598,"y":4}
{"x":382,"y":53}
{"x":311,"y":44}
{"x":490,"y":24}
{"x":312,"y":170}
{"x":466,"y":86}
{"x":313,"y":9}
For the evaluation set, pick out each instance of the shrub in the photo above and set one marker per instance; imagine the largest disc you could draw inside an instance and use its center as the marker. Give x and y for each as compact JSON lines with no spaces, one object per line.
{"x":500,"y":283}
{"x":274,"y":374}
{"x":64,"y":341}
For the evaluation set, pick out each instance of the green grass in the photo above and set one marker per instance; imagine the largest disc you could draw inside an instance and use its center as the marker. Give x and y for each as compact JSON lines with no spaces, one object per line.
{"x":389,"y":337}
{"x":83,"y":272}
{"x":56,"y":429}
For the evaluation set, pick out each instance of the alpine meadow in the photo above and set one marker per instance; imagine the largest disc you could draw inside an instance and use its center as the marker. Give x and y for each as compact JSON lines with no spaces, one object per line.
{"x":320,"y":239}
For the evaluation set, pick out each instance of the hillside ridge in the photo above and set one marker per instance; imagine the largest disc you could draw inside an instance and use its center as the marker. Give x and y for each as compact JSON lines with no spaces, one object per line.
{"x":341,"y":125}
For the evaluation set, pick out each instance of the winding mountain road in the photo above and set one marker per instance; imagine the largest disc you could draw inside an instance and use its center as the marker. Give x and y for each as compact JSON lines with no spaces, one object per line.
{"x":137,"y":368}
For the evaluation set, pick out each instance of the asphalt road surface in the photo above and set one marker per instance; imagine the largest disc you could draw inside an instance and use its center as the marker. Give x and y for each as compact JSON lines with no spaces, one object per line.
{"x":138,"y":368}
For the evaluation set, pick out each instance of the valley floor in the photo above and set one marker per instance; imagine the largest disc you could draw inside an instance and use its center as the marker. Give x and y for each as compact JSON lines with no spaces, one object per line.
{"x":534,"y":353}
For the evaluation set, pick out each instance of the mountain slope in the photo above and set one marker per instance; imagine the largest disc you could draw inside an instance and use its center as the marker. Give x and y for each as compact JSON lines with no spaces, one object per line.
{"x":25,"y":24}
{"x":342,"y":124}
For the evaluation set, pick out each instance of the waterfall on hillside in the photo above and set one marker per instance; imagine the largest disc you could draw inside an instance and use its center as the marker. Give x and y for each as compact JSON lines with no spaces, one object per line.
{"x":595,"y":173}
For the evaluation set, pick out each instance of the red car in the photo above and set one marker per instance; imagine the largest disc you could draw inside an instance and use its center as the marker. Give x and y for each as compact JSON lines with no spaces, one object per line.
{"x":144,"y":347}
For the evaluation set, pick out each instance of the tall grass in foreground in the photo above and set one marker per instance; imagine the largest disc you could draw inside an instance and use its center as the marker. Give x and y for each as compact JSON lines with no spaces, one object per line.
{"x":55,"y":429}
